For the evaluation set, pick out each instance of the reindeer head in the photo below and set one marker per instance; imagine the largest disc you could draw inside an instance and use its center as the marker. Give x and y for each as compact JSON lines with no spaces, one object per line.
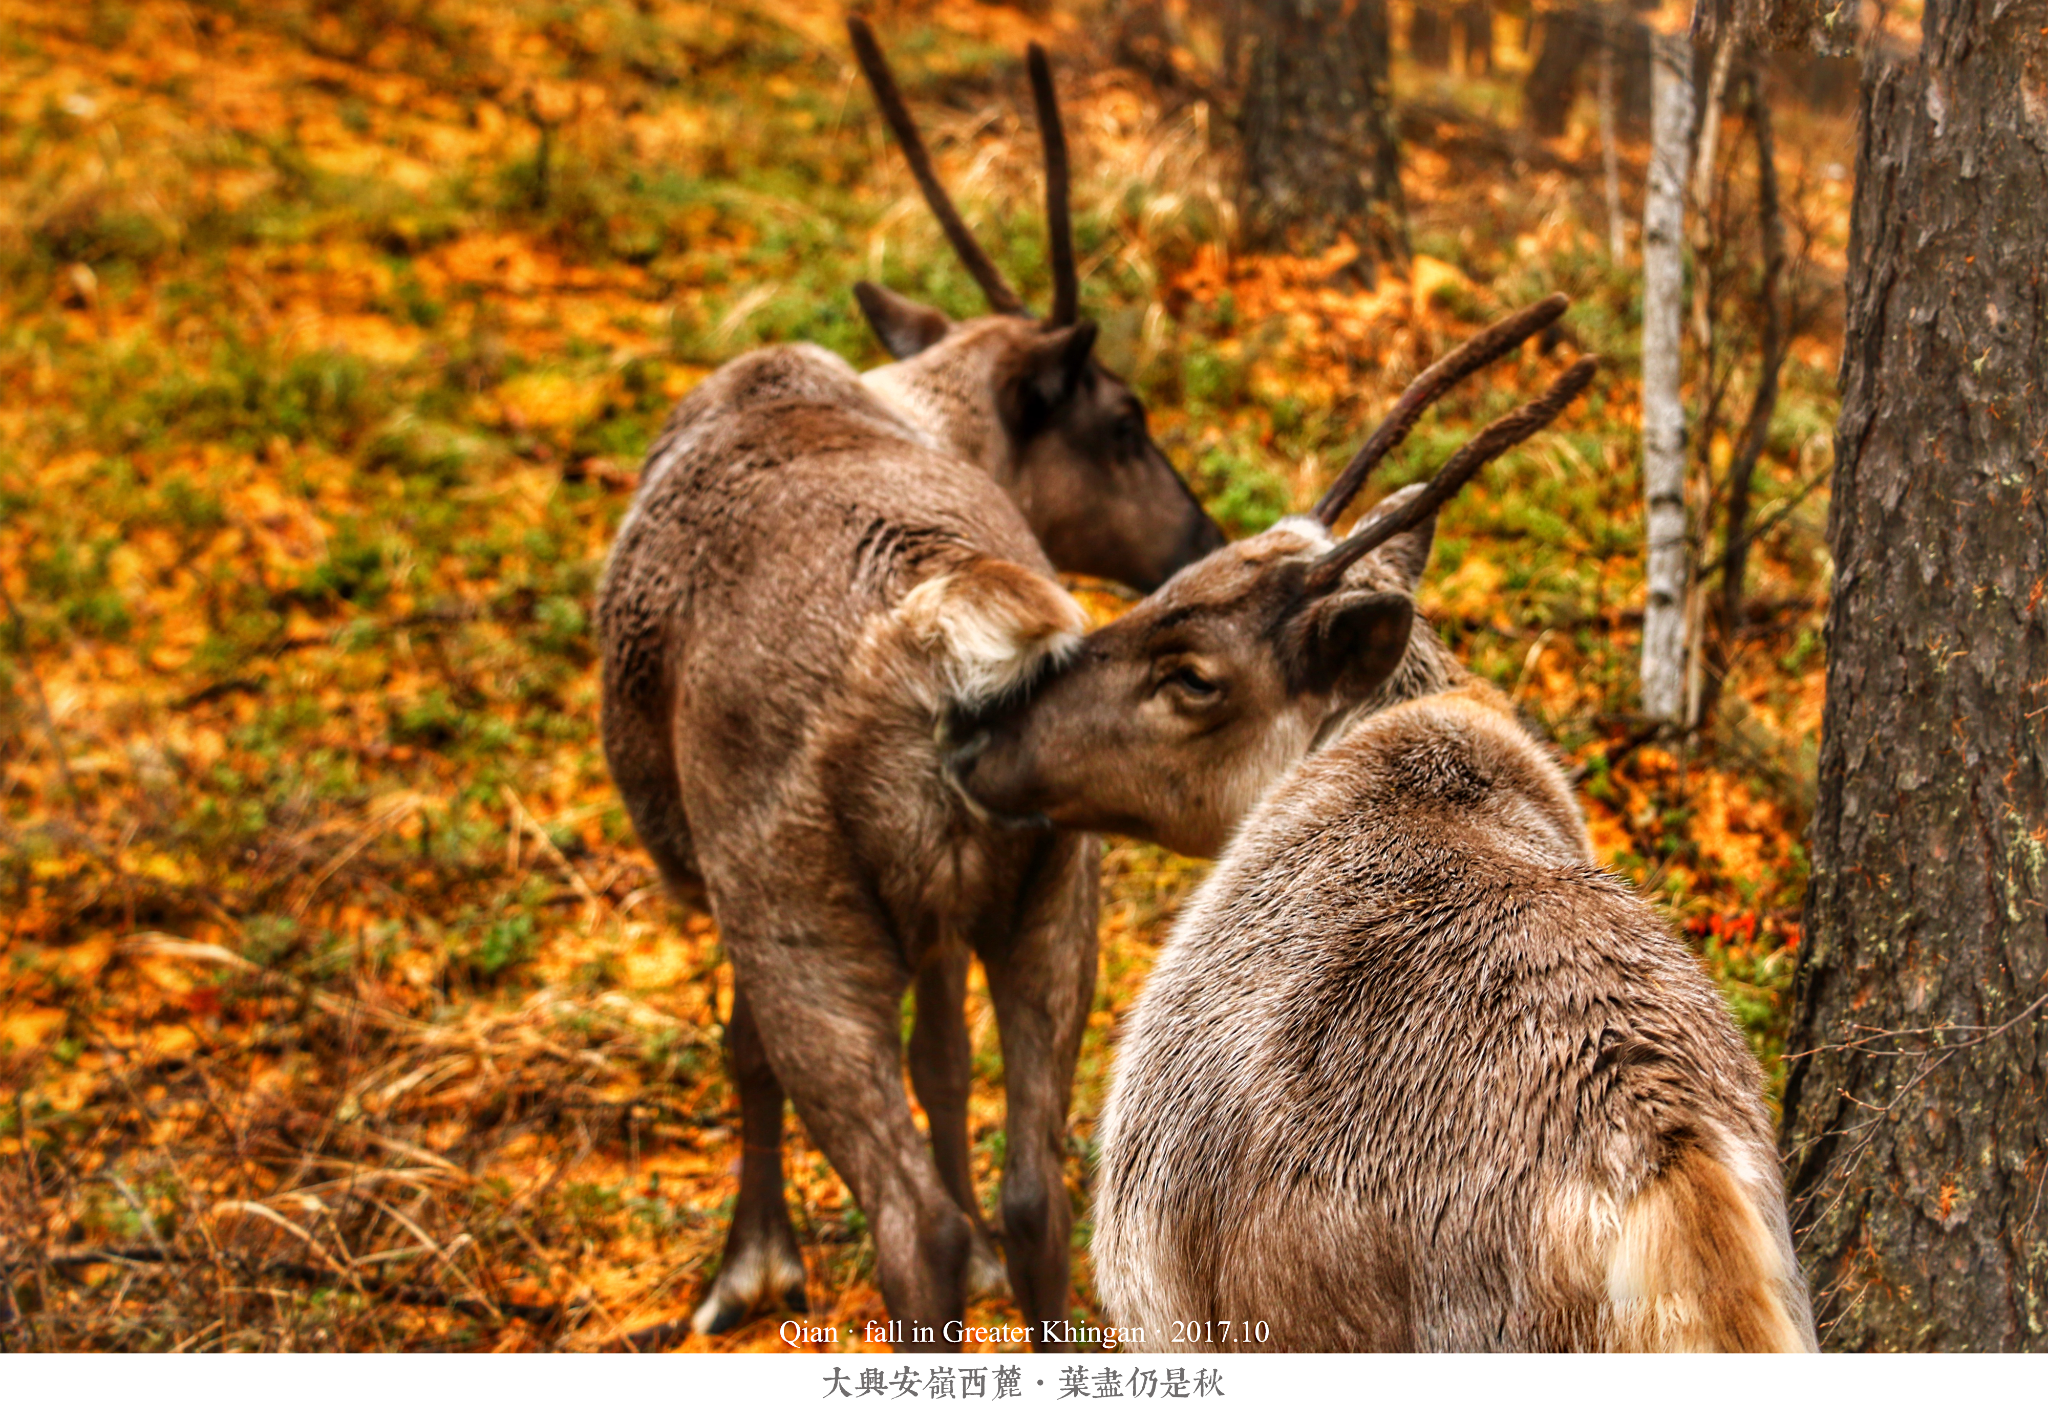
{"x":1026,"y":399}
{"x":1173,"y":721}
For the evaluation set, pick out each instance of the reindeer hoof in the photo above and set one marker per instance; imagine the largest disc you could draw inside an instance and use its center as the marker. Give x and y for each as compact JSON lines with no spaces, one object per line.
{"x":718,"y":1315}
{"x":760,"y":1278}
{"x":983,"y":1276}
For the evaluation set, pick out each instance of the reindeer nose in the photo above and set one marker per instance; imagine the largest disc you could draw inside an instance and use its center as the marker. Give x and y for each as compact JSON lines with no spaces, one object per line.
{"x":960,"y":762}
{"x":1203,"y":539}
{"x":960,"y":759}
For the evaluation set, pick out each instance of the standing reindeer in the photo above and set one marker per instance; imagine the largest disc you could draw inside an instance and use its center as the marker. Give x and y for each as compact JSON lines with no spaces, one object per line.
{"x":1411,"y":1073}
{"x":818,"y":570}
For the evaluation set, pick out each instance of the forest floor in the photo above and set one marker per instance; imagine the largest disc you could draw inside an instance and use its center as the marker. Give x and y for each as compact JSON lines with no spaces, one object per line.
{"x":338,"y":1006}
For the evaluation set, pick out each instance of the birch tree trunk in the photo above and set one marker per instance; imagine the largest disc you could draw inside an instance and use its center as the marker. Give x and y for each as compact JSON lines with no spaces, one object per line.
{"x":1668,"y":557}
{"x":1756,"y":429}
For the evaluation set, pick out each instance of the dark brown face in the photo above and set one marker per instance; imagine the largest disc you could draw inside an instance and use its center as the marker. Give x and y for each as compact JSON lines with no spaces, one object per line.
{"x":1098,"y":494}
{"x":1097,"y":491}
{"x":1174,"y":720}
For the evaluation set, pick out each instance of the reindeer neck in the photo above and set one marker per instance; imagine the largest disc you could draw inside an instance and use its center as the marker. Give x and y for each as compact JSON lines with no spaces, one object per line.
{"x":1428,"y":669}
{"x":947,"y":395}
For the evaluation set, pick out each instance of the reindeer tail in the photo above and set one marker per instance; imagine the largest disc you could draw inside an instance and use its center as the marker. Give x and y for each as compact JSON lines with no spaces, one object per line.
{"x":1697,"y":1268}
{"x":986,"y":628}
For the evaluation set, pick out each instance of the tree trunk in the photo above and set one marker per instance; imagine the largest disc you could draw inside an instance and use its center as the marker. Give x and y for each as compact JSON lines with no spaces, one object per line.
{"x":1320,"y":159}
{"x":1706,"y":224}
{"x":1143,"y":39}
{"x":1568,"y":40}
{"x":1475,"y":20}
{"x":1917,"y":1100}
{"x":1610,"y":158}
{"x":1756,"y":429}
{"x":1631,"y":39}
{"x":1667,"y":559}
{"x":1823,"y":26}
{"x":1429,"y":37}
{"x":1569,"y":37}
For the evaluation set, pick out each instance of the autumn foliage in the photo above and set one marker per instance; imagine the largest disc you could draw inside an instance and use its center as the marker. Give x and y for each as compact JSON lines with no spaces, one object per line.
{"x":338,"y":1007}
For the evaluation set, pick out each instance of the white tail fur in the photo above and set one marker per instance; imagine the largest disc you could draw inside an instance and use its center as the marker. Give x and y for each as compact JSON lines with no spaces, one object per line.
{"x":1694,"y":1268}
{"x":988,"y":627}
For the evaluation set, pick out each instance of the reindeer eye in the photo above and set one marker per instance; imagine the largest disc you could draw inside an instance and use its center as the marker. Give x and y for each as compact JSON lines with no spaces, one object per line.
{"x":1192,"y":682}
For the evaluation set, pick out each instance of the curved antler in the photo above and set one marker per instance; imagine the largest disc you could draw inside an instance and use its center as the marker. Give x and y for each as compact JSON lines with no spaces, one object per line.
{"x":1426,"y":389}
{"x":1066,"y":282}
{"x":890,"y":100}
{"x":1503,"y":434}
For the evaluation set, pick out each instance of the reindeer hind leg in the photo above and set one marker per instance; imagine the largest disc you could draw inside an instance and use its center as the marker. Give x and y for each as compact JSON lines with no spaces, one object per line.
{"x":941,"y":1070}
{"x":762,"y":1267}
{"x":1041,"y":975}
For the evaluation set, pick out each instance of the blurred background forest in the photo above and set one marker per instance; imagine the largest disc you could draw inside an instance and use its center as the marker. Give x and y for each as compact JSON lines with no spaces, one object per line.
{"x":338,"y":1006}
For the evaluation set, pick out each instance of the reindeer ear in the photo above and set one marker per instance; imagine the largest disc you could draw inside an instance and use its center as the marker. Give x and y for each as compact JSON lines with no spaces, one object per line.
{"x":1350,"y":641}
{"x":1407,"y":553}
{"x":905,"y":327}
{"x":1038,"y":377}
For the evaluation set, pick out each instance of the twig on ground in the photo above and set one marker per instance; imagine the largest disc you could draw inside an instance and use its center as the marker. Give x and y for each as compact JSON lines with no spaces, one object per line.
{"x":523,"y":816}
{"x":35,"y":686}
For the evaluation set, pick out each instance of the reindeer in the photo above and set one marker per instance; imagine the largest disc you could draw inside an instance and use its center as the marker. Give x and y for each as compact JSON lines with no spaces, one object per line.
{"x":1412,"y":1072}
{"x":818,"y":569}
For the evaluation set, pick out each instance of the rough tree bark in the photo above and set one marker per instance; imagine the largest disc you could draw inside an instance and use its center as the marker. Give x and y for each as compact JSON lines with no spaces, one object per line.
{"x":1610,"y":158}
{"x":1569,"y":36}
{"x":1917,"y":1102}
{"x":1429,"y":37}
{"x":1667,"y":558}
{"x":1475,"y":21}
{"x":1320,"y":157}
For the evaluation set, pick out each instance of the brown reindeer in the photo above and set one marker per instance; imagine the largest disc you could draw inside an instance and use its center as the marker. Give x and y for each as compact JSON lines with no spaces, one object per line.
{"x":1411,"y":1073}
{"x":1026,"y":400}
{"x":819,"y":569}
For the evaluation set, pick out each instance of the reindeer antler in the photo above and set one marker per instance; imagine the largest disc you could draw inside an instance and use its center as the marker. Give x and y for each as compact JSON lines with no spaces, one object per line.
{"x":1066,"y":282}
{"x":1503,"y":434}
{"x":1426,"y":389}
{"x":897,"y":114}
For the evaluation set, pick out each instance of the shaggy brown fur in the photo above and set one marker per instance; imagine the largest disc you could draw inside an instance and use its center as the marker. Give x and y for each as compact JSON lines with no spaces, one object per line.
{"x":821,"y":573}
{"x":811,"y":582}
{"x":1411,"y":1073}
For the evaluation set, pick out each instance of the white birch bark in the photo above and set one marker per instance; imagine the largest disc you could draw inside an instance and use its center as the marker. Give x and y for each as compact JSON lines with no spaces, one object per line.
{"x":1667,"y":555}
